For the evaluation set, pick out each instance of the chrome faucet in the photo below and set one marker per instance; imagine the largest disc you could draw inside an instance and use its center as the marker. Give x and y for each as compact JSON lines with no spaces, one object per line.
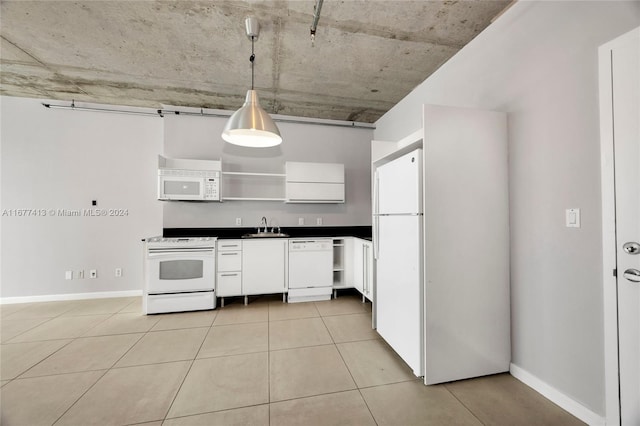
{"x":263,"y":222}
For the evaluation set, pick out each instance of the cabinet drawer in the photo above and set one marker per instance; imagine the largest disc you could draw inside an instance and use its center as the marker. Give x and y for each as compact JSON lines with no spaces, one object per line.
{"x":229,"y":261}
{"x":229,"y":284}
{"x":229,"y":245}
{"x":179,"y":302}
{"x":309,"y":294}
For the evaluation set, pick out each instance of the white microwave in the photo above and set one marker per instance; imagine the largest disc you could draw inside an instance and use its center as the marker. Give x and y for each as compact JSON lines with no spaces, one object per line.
{"x":188,"y":185}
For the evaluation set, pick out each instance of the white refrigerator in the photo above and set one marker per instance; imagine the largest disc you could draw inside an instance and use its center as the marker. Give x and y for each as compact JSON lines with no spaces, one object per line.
{"x":441,"y":243}
{"x":398,"y":250}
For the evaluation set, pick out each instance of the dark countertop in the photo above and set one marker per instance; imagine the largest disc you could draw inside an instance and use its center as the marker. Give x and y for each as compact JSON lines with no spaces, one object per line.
{"x":363,"y":232}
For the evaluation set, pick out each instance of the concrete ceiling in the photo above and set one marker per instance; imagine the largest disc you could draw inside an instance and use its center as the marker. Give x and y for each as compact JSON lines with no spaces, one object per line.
{"x":367,"y":55}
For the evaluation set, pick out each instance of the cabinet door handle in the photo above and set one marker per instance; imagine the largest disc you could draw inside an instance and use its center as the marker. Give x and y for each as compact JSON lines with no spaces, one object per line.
{"x":229,"y":275}
{"x":228,"y":254}
{"x":364,"y":268}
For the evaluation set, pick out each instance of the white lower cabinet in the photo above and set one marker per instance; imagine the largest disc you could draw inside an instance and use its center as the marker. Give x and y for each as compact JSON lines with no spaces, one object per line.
{"x":229,"y":284}
{"x":264,"y":266}
{"x":357,"y":268}
{"x":179,"y":302}
{"x":362,"y":267}
{"x":229,"y":263}
{"x":341,"y":258}
{"x":260,"y":266}
{"x":367,"y":270}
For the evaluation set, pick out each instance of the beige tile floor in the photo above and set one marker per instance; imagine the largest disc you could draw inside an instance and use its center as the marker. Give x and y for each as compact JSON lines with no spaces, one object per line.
{"x":100,"y":362}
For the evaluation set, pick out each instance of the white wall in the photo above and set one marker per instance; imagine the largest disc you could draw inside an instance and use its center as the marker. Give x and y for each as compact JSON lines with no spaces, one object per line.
{"x":538,"y":62}
{"x":61,"y":159}
{"x":199,"y":137}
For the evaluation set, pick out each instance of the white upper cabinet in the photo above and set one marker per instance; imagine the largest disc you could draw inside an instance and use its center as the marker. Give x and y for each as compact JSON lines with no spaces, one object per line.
{"x":314,"y":182}
{"x":314,"y":172}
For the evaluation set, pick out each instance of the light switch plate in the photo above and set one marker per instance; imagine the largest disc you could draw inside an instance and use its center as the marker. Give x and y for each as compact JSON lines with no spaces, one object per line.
{"x":301,"y":221}
{"x":572,"y":217}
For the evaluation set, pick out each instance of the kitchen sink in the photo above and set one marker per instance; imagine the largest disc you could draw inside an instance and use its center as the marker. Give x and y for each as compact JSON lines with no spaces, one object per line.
{"x":266,"y":235}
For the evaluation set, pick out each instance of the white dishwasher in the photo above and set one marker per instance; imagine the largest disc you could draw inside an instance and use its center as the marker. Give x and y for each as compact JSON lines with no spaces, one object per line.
{"x":310,"y":270}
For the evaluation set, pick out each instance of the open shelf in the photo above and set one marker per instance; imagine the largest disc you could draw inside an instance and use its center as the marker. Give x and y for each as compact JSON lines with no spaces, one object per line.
{"x":338,"y":263}
{"x":253,"y":186}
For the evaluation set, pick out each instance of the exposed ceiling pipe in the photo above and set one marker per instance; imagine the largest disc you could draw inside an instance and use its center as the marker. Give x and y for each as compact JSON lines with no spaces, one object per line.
{"x":316,"y":18}
{"x":211,"y":113}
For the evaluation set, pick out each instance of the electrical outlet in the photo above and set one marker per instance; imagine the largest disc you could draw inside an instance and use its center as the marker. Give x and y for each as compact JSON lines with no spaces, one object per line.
{"x":301,"y":221}
{"x":80,"y":275}
{"x":93,"y":273}
{"x":238,"y":221}
{"x":118,"y":272}
{"x":68,"y":275}
{"x":319,"y":221}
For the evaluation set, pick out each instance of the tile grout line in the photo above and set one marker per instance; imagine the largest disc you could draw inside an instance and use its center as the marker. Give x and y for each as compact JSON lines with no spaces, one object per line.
{"x":81,"y":396}
{"x":19,"y":376}
{"x":71,"y":340}
{"x":463,"y":404}
{"x":8,"y":342}
{"x":354,"y":380}
{"x":128,"y":350}
{"x":99,"y":378}
{"x":195,"y":357}
{"x":61,"y":314}
{"x":350,"y":373}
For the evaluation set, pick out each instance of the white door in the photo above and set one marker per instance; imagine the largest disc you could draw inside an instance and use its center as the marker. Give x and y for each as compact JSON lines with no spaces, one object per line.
{"x":626,"y":131}
{"x":367,"y":270}
{"x":620,"y":119}
{"x":399,"y":185}
{"x":263,"y":266}
{"x":358,"y":271}
{"x":400,"y":288}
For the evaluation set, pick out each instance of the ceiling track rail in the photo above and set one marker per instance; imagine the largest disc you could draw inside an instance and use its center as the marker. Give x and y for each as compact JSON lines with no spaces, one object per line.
{"x":73,"y":106}
{"x":163,"y":112}
{"x":316,"y":17}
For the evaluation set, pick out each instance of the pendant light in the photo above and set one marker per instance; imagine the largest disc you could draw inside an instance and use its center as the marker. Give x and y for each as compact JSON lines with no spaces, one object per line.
{"x":251,"y":126}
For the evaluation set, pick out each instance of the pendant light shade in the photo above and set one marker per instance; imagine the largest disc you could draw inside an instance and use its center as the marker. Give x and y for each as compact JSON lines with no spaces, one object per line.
{"x":251,"y":126}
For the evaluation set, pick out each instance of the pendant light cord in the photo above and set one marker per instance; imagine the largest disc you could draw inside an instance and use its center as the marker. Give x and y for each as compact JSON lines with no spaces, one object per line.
{"x":251,"y":59}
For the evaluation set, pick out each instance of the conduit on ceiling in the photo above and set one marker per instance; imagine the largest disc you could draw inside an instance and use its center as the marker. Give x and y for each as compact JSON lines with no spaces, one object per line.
{"x":316,"y":17}
{"x":223,"y":114}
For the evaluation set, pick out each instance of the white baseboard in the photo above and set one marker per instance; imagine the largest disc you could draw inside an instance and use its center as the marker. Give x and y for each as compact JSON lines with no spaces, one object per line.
{"x":557,"y":397}
{"x":70,"y":296}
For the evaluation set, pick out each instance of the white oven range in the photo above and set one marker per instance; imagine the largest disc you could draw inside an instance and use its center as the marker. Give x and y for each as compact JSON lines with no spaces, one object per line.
{"x":179,"y":274}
